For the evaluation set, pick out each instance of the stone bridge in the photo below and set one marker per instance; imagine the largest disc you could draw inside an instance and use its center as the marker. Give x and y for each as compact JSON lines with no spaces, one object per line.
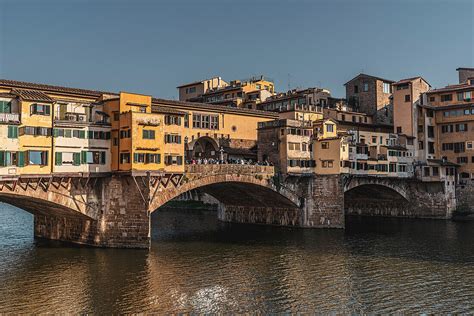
{"x":400,"y":197}
{"x":113,"y":210}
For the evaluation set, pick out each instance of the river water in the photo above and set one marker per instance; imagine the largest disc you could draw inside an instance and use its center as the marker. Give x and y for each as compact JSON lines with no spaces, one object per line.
{"x":197,"y":264}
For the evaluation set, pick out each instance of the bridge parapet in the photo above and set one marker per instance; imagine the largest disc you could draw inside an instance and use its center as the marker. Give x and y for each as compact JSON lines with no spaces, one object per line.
{"x":231,"y":169}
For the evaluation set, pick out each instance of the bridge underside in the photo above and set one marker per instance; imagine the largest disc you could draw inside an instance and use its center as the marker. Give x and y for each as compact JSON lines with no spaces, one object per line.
{"x":415,"y":200}
{"x":248,"y":203}
{"x":375,"y":200}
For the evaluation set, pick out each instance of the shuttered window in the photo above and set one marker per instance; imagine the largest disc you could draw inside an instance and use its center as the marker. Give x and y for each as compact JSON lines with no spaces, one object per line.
{"x":12,"y":131}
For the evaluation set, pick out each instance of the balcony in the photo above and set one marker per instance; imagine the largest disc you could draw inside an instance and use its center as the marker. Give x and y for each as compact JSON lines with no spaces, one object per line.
{"x":9,"y":118}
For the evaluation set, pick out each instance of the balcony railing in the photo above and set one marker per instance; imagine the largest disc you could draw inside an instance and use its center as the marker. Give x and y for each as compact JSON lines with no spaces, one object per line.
{"x":10,"y":117}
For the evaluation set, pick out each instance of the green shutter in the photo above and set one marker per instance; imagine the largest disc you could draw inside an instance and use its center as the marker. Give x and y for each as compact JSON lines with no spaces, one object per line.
{"x":55,"y":132}
{"x":76,"y":158}
{"x":12,"y":131}
{"x":82,"y":134}
{"x":90,"y":134}
{"x":8,"y":158}
{"x":47,"y":109}
{"x":84,"y":156}
{"x":58,"y":158}
{"x":21,"y":159}
{"x":135,"y":157}
{"x":2,"y":159}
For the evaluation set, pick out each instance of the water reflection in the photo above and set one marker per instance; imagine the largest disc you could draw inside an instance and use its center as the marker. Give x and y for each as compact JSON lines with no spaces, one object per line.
{"x":197,"y":264}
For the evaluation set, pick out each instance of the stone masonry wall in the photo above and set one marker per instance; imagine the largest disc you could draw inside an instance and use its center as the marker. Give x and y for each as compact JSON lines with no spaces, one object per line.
{"x":424,"y":200}
{"x":123,"y":220}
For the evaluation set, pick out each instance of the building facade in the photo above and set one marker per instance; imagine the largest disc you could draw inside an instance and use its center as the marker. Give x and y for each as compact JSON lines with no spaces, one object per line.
{"x":58,"y":130}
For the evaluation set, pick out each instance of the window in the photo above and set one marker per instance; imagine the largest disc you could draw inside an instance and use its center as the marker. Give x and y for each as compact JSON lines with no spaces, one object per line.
{"x":79,"y":134}
{"x":407,"y":98}
{"x":173,"y":160}
{"x":446,"y":97}
{"x":426,"y":171}
{"x":327,"y":163}
{"x":40,"y":109}
{"x":461,"y":127}
{"x":93,"y":157}
{"x":366,"y":87}
{"x":5,"y":107}
{"x":205,"y":121}
{"x":399,"y":129}
{"x":329,"y":128}
{"x":148,"y":134}
{"x":294,"y":146}
{"x":116,"y":116}
{"x":34,"y":131}
{"x":146,"y":158}
{"x":432,"y":99}
{"x":37,"y":157}
{"x":124,"y":158}
{"x":172,"y":139}
{"x":67,"y":158}
{"x":386,"y":87}
{"x":461,"y":160}
{"x":430,"y":131}
{"x":125,"y":133}
{"x":429,"y":113}
{"x":435,"y":171}
{"x":431,"y":148}
{"x":325,"y":145}
{"x":172,"y":120}
{"x":12,"y":131}
{"x":356,"y":89}
{"x":192,"y":90}
{"x":186,"y":120}
{"x":467,"y":96}
{"x":8,"y":158}
{"x":460,"y":96}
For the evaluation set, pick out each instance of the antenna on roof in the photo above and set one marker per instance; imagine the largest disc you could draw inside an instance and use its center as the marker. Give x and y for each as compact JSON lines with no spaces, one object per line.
{"x":289,"y":81}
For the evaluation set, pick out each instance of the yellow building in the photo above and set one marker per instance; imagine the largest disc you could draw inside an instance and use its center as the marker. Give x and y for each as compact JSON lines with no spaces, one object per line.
{"x":55,"y":130}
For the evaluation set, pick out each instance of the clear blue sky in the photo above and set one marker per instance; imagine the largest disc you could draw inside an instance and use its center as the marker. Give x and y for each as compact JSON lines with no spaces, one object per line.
{"x":152,"y":46}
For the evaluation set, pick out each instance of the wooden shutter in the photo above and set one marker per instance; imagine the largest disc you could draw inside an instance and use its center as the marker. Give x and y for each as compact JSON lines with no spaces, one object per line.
{"x":47,"y":109}
{"x":76,"y":159}
{"x":84,"y":156}
{"x":58,"y":158}
{"x":21,"y":159}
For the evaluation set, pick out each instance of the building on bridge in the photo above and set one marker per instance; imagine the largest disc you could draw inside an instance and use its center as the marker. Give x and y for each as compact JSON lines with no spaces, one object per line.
{"x":51,"y":130}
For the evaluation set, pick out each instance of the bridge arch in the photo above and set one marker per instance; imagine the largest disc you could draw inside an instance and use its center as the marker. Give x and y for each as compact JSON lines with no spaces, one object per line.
{"x":365,"y":184}
{"x":233,"y":189}
{"x":53,"y":196}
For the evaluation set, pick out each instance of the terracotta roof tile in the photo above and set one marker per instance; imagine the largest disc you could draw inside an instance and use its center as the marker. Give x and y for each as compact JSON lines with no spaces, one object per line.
{"x":32,"y":95}
{"x":51,"y":88}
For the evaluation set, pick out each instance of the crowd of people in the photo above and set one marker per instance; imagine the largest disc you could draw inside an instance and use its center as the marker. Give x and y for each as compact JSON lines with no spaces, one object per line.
{"x":212,"y":161}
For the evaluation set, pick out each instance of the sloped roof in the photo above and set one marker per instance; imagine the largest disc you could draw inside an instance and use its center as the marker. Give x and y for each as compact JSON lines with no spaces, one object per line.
{"x":370,"y":76}
{"x":32,"y":95}
{"x":51,"y":88}
{"x":407,"y":80}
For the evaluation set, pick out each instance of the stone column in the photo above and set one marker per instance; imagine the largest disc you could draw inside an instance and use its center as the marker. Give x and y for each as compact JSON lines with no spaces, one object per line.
{"x":323,"y":201}
{"x":122,"y":219}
